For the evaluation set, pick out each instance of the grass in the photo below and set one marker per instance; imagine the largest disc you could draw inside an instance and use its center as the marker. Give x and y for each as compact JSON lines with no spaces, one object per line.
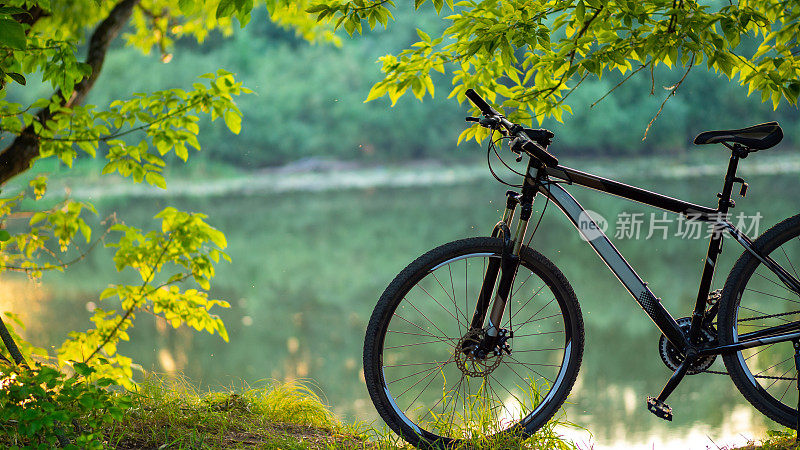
{"x":775,"y":440}
{"x":172,"y":414}
{"x":288,"y":416}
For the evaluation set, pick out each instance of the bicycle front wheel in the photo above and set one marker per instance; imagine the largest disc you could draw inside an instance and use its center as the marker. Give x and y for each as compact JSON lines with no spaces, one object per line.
{"x":434,"y":394}
{"x":753,"y":299}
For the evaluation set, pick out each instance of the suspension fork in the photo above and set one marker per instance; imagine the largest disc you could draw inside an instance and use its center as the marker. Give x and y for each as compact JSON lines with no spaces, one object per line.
{"x":506,"y":266}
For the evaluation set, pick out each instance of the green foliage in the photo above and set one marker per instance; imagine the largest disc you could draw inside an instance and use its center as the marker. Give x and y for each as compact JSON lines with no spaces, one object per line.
{"x":529,"y":56}
{"x":38,"y":403}
{"x":135,"y":133}
{"x":186,"y":247}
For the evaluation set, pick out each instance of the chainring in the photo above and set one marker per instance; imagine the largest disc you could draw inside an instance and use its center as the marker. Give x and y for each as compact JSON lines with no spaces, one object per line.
{"x":672,"y":358}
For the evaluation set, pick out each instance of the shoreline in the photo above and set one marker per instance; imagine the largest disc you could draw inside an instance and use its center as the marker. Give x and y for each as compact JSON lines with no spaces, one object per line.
{"x":317,"y":175}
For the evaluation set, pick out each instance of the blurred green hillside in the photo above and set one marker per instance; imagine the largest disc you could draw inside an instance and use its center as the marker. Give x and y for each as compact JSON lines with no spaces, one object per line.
{"x":308,"y":101}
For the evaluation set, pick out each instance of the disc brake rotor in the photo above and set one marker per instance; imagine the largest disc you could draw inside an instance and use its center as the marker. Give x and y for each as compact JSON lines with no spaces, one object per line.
{"x":470,"y":364}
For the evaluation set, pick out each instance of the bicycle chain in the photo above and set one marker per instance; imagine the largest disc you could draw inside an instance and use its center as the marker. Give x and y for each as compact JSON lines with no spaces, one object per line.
{"x":766,"y":377}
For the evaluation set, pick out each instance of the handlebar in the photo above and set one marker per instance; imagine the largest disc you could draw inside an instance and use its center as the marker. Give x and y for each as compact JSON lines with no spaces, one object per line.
{"x":532,"y":142}
{"x":481,"y":103}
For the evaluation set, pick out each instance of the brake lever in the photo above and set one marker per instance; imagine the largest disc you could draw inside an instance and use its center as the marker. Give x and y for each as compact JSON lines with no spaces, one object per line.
{"x":486,"y":122}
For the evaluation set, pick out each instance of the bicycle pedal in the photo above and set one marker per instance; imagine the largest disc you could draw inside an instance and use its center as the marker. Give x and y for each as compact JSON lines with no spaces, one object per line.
{"x":659,"y":408}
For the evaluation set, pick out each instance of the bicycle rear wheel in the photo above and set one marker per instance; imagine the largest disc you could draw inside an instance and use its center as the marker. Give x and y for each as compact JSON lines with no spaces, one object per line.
{"x":421,"y":381}
{"x":753,"y":299}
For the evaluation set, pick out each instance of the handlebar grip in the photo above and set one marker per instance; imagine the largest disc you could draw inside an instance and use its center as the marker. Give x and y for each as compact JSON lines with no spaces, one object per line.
{"x":538,"y":152}
{"x":480,"y":103}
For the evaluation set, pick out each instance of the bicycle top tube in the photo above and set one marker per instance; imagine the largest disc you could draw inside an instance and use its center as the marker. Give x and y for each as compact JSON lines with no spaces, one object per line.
{"x":634,"y":193}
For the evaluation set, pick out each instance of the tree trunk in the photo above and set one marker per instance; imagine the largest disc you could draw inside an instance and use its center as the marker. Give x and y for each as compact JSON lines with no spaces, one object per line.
{"x":17,"y":157}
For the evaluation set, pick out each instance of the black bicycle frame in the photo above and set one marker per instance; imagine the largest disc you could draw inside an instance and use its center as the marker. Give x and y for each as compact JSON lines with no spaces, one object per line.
{"x":548,"y":181}
{"x":631,"y":280}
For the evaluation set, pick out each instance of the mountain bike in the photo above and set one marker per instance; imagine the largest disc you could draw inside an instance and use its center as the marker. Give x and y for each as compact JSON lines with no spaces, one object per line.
{"x":485,"y":335}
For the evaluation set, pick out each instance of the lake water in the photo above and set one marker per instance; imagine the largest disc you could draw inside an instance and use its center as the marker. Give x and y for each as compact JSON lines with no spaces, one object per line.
{"x":309,"y":265}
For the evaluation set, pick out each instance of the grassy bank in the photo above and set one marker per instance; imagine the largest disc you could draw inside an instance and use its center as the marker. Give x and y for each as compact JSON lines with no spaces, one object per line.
{"x":168,"y":414}
{"x":173,"y":415}
{"x":777,"y":440}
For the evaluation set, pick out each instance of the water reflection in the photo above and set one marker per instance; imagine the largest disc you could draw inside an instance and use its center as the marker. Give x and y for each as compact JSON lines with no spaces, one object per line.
{"x":302,"y":292}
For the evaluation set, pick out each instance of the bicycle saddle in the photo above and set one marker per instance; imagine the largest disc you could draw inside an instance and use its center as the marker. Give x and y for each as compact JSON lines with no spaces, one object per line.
{"x":757,"y":137}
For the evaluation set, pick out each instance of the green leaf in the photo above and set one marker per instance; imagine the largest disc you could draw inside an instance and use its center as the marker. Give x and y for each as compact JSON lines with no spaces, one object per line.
{"x":12,"y":34}
{"x":226,"y":8}
{"x":187,"y":6}
{"x":12,"y":10}
{"x":234,"y":121}
{"x":4,"y":235}
{"x":156,"y":179}
{"x":83,"y":369}
{"x":423,"y":35}
{"x":16,"y":77}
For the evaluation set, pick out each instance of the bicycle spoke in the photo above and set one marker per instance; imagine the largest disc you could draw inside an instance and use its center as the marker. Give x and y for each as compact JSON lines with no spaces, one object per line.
{"x":444,"y":408}
{"x":773,"y":295}
{"x":506,"y":389}
{"x":416,"y":343}
{"x":497,"y":402}
{"x":455,"y":305}
{"x":441,"y":285}
{"x":437,"y":302}
{"x":538,"y":334}
{"x":772,"y":366}
{"x":539,"y":350}
{"x":788,"y":385}
{"x":528,"y":301}
{"x":422,"y":390}
{"x":520,"y":376}
{"x":413,"y":374}
{"x":433,"y":372}
{"x":541,"y":318}
{"x":444,"y":395}
{"x":466,"y":290}
{"x":790,"y":263}
{"x":778,"y":379}
{"x":420,"y":328}
{"x":527,"y":366}
{"x":520,"y":286}
{"x":754,"y":354}
{"x":426,"y":317}
{"x":417,"y":334}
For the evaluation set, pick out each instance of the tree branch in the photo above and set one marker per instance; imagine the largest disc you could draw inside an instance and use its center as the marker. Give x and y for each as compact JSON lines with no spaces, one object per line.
{"x":17,"y":157}
{"x":30,"y":17}
{"x":672,"y":92}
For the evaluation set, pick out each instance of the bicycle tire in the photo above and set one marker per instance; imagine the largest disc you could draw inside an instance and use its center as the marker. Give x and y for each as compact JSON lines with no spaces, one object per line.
{"x":765,"y":375}
{"x":381,"y":360}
